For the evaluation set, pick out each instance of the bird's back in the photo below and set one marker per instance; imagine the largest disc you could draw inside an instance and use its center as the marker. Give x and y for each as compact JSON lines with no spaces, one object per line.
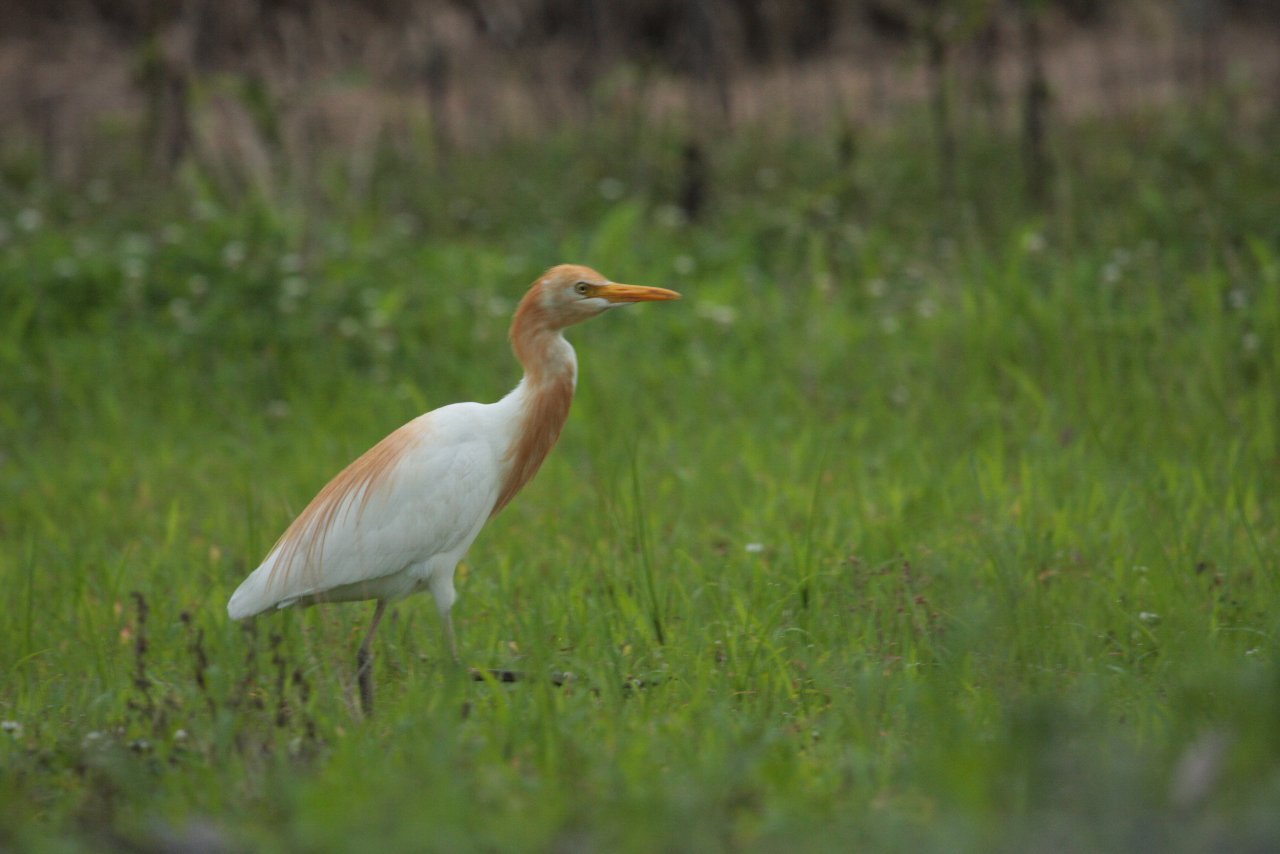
{"x":413,"y":503}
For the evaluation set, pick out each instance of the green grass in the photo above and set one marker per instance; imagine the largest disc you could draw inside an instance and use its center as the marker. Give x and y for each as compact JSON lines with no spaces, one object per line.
{"x":918,"y":524}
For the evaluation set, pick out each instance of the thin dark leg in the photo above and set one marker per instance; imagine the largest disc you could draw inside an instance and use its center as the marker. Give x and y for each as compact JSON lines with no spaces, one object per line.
{"x":364,"y":661}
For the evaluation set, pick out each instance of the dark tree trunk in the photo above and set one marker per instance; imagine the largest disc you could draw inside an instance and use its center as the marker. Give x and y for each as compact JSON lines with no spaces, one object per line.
{"x":165,"y":81}
{"x":940,"y":100}
{"x":986,"y":84}
{"x":693,"y":180}
{"x":1035,"y":107}
{"x":708,"y":60}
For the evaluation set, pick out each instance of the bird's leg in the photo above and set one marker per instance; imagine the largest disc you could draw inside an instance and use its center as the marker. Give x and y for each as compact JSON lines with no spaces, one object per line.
{"x":442,"y":589}
{"x":453,"y":639}
{"x":364,"y":661}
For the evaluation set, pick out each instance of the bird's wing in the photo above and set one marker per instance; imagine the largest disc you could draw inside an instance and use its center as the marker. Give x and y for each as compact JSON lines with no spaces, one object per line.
{"x":425,"y":490}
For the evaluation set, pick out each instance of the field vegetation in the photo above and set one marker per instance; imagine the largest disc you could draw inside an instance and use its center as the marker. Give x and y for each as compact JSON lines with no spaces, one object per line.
{"x":931,"y":519}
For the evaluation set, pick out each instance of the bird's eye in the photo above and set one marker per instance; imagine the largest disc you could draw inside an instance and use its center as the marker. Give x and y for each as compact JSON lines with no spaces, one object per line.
{"x":582,"y":288}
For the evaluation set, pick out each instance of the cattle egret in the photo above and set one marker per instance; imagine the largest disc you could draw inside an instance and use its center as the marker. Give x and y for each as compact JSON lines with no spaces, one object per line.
{"x":400,"y":518}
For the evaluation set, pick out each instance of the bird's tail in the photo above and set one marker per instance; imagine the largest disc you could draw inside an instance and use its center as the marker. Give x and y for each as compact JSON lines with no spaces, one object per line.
{"x":252,"y":596}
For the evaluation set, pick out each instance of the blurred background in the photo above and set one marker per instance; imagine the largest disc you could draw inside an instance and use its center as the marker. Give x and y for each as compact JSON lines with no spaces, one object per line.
{"x":254,"y":92}
{"x":942,"y":511}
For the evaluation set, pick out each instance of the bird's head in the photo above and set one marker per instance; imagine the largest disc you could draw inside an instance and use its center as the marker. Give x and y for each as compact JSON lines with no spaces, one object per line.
{"x":570,"y":294}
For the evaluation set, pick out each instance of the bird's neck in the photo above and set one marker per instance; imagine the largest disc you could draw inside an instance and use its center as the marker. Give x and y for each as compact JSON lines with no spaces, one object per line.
{"x":541,"y":401}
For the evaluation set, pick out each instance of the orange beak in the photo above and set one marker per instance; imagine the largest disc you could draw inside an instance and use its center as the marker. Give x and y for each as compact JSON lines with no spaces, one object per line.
{"x":614,"y":292}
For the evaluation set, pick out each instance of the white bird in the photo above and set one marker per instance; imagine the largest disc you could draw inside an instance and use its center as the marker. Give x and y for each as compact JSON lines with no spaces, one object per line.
{"x":399,"y":519}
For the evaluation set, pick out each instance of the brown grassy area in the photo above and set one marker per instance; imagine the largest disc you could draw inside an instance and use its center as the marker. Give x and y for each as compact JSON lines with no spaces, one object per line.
{"x":354,"y":83}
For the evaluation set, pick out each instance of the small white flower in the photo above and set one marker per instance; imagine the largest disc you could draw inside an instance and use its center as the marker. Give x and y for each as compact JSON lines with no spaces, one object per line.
{"x":294,"y":286}
{"x":926,"y":308}
{"x":670,"y":217}
{"x":202,"y":209}
{"x":611,"y":189}
{"x":378,"y":319}
{"x":29,"y":219}
{"x":133,"y":267}
{"x":725,"y":315}
{"x":755,"y":548}
{"x":135,"y":244}
{"x":12,"y":727}
{"x":233,"y":254}
{"x":1149,"y":617}
{"x":404,"y":225}
{"x":180,"y":735}
{"x":1033,"y":242}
